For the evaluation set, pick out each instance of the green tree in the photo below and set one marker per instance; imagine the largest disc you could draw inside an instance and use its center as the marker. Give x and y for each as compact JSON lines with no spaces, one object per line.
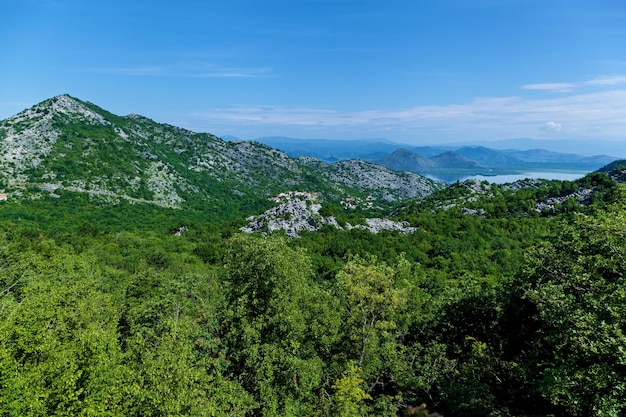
{"x":59,"y":350}
{"x":374,"y":297}
{"x":349,"y":396}
{"x":171,"y":379}
{"x":278,"y":324}
{"x":577,"y":284}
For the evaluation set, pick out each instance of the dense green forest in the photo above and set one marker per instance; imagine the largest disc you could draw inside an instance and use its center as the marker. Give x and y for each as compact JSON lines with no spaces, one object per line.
{"x":138,"y":310}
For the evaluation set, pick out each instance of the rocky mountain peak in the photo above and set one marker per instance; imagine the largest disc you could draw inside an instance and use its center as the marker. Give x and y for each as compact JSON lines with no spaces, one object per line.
{"x":69,"y":106}
{"x":64,"y":106}
{"x":67,"y":144}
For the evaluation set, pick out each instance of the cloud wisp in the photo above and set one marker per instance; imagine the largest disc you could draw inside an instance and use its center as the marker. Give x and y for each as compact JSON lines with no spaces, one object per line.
{"x":603,"y":81}
{"x":582,"y":116}
{"x":188,"y":70}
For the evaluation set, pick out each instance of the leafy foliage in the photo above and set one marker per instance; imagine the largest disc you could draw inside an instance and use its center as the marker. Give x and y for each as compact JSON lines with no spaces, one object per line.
{"x":576,"y":284}
{"x":489,"y":308}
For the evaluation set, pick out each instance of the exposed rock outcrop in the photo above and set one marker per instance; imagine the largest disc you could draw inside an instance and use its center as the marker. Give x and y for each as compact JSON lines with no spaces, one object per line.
{"x":297,"y":215}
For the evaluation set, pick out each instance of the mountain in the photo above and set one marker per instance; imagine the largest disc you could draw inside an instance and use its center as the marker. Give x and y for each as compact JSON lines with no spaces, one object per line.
{"x":539,"y":157}
{"x":405,"y":160}
{"x":375,"y":180}
{"x":454,"y":160}
{"x":65,"y":145}
{"x":490,"y":157}
{"x":524,"y":197}
{"x":230,"y":138}
{"x":430,"y":151}
{"x":617,"y":149}
{"x":613,"y":166}
{"x":330,"y":150}
{"x":493,"y":156}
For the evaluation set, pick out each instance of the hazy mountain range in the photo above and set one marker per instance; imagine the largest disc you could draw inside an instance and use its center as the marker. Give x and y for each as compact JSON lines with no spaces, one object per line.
{"x":66,"y":145}
{"x":429,"y":159}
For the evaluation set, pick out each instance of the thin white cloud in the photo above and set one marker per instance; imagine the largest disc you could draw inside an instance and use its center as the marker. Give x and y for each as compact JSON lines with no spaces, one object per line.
{"x":553,"y":126}
{"x":603,"y":81}
{"x":188,"y":70}
{"x":607,"y":81}
{"x":240,"y":73}
{"x":592,"y":115}
{"x":556,"y":87}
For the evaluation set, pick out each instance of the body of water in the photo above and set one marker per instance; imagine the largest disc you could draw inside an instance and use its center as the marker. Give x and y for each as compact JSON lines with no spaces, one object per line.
{"x":508,"y":178}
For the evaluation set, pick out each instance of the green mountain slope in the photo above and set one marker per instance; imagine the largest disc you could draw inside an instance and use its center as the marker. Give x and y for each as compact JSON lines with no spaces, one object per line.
{"x":501,"y":300}
{"x":67,"y":145}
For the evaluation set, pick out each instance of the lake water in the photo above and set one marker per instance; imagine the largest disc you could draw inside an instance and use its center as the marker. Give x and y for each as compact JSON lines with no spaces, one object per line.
{"x":502,"y":179}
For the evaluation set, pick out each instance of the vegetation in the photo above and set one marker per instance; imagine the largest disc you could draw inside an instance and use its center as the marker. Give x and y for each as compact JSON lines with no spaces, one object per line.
{"x":65,"y":144}
{"x":118,"y":298}
{"x":141,"y":310}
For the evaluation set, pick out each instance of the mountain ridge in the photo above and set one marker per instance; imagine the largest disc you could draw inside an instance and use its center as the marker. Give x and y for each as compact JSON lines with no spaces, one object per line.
{"x":66,"y":144}
{"x":489,"y":158}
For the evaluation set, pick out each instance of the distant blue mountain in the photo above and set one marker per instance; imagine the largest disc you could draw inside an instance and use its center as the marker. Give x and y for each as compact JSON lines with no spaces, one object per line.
{"x":330,"y":150}
{"x":551,"y":157}
{"x":405,"y":160}
{"x":579,"y":147}
{"x":428,"y":159}
{"x":490,"y":157}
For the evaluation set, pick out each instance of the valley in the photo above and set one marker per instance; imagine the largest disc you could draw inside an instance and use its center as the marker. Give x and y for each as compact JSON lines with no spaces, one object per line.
{"x":149,"y":270}
{"x":448,"y":163}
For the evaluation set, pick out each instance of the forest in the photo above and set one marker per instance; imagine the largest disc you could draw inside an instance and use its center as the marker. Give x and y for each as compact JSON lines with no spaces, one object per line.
{"x":126,"y":310}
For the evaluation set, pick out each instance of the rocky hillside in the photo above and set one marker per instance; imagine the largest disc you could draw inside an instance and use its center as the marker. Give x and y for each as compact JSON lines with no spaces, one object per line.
{"x":614,"y":169}
{"x":390,"y":186}
{"x":299,"y":215}
{"x":528,"y":196}
{"x":67,"y":145}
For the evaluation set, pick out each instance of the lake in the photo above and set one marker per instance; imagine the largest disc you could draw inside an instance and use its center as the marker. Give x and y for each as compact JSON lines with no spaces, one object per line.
{"x":507,"y":178}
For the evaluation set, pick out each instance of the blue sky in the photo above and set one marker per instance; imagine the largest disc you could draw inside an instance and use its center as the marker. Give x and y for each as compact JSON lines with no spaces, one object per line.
{"x":412,"y":71}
